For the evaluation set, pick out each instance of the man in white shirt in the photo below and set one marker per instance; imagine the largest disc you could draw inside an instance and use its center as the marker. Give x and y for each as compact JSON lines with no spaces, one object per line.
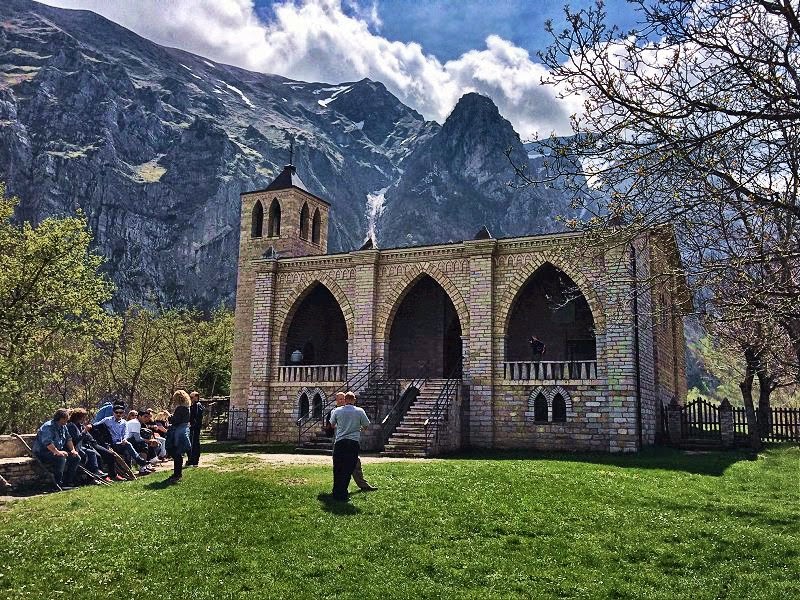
{"x":349,"y":421}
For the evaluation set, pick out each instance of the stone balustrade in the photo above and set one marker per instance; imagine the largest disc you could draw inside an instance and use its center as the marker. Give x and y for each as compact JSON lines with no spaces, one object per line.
{"x":312,"y":373}
{"x":557,"y":370}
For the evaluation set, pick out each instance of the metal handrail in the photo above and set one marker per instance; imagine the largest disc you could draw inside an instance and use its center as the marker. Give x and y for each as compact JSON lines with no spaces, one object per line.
{"x":384,"y":383}
{"x":354,"y":383}
{"x":400,"y":406}
{"x":442,"y":403}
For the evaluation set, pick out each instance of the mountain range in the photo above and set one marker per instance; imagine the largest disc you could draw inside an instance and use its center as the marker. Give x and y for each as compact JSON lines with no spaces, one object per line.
{"x":155,"y":145}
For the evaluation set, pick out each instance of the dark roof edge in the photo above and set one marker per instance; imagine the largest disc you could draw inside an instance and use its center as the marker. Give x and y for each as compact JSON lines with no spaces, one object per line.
{"x":266,"y":189}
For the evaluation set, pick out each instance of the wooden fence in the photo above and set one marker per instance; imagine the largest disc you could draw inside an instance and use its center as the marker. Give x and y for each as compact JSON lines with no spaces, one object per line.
{"x":785,"y":424}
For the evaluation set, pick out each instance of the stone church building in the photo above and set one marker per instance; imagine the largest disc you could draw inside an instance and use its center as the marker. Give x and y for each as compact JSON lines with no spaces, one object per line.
{"x":436,"y":339}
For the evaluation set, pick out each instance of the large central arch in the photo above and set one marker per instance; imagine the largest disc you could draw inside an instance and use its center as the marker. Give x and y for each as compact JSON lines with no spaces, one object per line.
{"x":425,"y":332}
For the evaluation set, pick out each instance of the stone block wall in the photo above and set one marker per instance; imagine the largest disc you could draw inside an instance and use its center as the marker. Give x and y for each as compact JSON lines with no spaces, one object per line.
{"x":482,"y":279}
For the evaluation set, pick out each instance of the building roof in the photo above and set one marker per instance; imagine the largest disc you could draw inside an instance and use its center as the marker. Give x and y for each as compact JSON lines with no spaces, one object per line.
{"x":286,"y":179}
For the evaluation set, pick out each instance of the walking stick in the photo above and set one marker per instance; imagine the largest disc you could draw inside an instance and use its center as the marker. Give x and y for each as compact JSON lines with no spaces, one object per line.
{"x":122,"y":465}
{"x":38,"y":462}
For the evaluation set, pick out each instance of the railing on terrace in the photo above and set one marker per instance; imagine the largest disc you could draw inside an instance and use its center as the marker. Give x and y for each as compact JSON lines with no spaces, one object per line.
{"x":314,"y":373}
{"x":550,"y":369}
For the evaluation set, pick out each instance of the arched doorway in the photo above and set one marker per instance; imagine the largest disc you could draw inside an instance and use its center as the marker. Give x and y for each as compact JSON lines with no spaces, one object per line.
{"x":318,"y":330}
{"x":552,"y":308}
{"x":425,"y":336}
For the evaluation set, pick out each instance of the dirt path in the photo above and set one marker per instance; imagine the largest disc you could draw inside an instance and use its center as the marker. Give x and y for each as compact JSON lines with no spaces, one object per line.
{"x":212,"y":459}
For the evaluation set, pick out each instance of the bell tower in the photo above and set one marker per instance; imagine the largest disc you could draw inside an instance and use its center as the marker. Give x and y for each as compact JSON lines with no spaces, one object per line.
{"x":283,"y":220}
{"x":284,"y":216}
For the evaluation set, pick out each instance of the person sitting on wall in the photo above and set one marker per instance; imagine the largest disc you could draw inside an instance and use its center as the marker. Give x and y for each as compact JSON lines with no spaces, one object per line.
{"x":537,"y":348}
{"x":53,"y":447}
{"x":142,"y":444}
{"x":82,"y":441}
{"x":119,"y":443}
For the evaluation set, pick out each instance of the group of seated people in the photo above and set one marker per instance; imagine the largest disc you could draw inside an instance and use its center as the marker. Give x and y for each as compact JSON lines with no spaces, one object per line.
{"x":69,"y":440}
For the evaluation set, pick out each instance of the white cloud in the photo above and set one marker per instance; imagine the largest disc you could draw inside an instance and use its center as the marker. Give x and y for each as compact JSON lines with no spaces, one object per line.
{"x":315,"y":40}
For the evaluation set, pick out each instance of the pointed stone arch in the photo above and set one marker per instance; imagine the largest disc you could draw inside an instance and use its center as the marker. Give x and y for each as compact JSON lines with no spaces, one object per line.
{"x":517,"y":283}
{"x":274,"y":220}
{"x":316,"y":227}
{"x":257,"y":221}
{"x":284,"y":314}
{"x":304,"y":221}
{"x":399,"y":289}
{"x":549,"y":392}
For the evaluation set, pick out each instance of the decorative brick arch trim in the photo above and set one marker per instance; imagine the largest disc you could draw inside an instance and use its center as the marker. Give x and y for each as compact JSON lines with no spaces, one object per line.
{"x":401,"y":288}
{"x":549,"y":392}
{"x":310,"y":393}
{"x":519,"y":280}
{"x":285,"y":314}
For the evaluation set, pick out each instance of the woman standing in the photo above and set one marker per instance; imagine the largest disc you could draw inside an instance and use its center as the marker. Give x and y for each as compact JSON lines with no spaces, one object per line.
{"x":178,"y":442}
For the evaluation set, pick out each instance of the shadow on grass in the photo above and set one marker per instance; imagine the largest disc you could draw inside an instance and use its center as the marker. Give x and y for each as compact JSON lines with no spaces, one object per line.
{"x":243,"y":447}
{"x":337,"y":507}
{"x":159,"y":485}
{"x":699,"y":463}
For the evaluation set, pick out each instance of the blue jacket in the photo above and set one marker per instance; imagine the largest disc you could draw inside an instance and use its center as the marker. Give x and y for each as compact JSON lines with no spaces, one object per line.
{"x":50,"y":433}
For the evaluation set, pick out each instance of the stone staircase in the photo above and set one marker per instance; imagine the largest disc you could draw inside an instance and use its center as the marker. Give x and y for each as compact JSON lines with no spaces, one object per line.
{"x":370,"y":400}
{"x":409,"y":437}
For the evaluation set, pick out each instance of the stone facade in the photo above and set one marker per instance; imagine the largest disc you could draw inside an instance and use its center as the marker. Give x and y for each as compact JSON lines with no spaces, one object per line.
{"x":611,"y":400}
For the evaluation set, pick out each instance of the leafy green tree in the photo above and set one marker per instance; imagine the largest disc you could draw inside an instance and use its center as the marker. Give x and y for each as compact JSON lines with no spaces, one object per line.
{"x":51,"y":290}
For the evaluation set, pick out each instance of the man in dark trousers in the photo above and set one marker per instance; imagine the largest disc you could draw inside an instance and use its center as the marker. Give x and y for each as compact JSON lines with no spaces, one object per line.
{"x":348,"y":420}
{"x":196,"y":411}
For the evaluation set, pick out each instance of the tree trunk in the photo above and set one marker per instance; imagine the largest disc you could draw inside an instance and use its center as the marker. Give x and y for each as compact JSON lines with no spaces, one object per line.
{"x":764,"y":412}
{"x":746,"y":386}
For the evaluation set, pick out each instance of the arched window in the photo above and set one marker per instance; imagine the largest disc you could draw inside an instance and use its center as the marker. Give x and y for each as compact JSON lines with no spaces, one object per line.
{"x":540,"y":409}
{"x":274,"y":229}
{"x":304,"y":221}
{"x":317,"y":406}
{"x":258,"y":220}
{"x":559,"y":409}
{"x":302,"y":408}
{"x":315,"y":227}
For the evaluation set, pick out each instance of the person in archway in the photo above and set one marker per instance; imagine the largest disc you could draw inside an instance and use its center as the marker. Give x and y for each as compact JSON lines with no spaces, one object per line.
{"x":537,"y":348}
{"x":349,"y":421}
{"x":358,"y":474}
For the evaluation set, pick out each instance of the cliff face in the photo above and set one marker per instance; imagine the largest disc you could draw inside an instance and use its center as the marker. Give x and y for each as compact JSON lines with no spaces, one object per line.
{"x":155,"y":145}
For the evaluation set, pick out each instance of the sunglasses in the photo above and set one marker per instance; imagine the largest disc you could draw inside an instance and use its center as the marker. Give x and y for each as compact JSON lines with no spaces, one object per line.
{"x":119,"y":412}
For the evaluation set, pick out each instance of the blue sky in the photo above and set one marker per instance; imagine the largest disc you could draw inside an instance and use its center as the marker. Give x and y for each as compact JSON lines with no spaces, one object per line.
{"x":427,"y":52}
{"x":449,"y":28}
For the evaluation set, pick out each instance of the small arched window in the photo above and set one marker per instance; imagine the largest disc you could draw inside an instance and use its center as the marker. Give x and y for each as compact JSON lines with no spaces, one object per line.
{"x":540,"y":409}
{"x":258,"y":220}
{"x":304,"y":221}
{"x":302,"y":409}
{"x":274,"y":229}
{"x":559,"y":409}
{"x":315,"y":227}
{"x":317,"y":406}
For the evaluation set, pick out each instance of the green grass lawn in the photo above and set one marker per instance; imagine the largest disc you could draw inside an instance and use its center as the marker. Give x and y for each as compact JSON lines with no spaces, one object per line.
{"x":659,"y":525}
